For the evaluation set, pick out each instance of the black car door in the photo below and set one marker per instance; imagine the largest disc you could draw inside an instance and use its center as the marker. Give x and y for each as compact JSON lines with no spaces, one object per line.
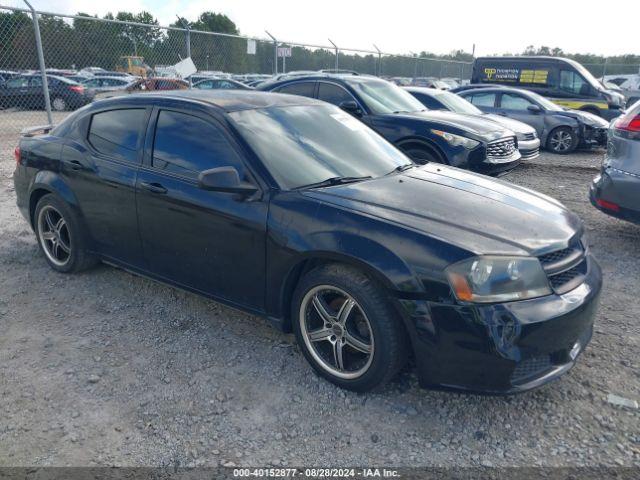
{"x":101,"y":171}
{"x":213,"y":242}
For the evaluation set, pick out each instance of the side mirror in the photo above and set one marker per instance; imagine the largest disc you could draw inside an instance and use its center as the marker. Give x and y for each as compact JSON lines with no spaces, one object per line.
{"x":534,"y":108}
{"x":224,"y":179}
{"x":351,"y":106}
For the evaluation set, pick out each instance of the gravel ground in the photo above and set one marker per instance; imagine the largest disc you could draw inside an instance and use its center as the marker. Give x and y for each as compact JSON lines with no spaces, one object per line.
{"x":106,"y":368}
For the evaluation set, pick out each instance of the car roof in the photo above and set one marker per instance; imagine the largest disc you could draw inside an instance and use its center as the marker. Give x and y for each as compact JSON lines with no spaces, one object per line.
{"x":108,"y":77}
{"x":497,"y":88}
{"x":428,"y":91}
{"x":340,"y":78}
{"x":227,"y":100}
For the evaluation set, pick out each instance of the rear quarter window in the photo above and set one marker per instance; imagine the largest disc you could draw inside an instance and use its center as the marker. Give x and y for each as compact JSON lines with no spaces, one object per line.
{"x":304,"y":89}
{"x":116,"y":132}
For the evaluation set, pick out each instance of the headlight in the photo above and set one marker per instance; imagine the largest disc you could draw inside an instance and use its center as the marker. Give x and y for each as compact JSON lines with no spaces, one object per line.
{"x":498,"y":279}
{"x":456,"y":140}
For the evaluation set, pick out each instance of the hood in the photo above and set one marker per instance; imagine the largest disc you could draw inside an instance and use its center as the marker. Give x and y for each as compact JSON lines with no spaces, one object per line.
{"x":471,"y":211}
{"x":509,"y":123}
{"x":469,"y":123}
{"x":587,"y":118}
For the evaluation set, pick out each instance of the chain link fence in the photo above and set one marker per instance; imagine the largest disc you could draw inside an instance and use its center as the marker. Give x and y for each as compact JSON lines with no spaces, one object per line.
{"x":107,"y":54}
{"x":85,"y":56}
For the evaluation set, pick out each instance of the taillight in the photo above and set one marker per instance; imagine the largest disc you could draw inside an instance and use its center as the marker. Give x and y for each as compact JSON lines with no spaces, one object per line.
{"x":614,"y":207}
{"x":77,"y":88}
{"x":628,"y":126}
{"x":16,"y":153}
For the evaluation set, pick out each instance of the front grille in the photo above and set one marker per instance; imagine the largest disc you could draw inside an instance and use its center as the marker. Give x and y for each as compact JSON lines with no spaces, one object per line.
{"x":501,"y":149}
{"x":531,"y":367}
{"x":565,"y":268}
{"x":560,"y":282}
{"x":557,"y":256}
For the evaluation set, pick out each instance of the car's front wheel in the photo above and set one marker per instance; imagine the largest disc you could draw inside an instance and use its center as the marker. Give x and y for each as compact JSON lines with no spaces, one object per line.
{"x":562,"y":140}
{"x":347,"y":328}
{"x":60,"y":237}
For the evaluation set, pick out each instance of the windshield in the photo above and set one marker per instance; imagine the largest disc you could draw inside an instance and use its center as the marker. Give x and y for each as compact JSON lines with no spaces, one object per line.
{"x":586,"y":74}
{"x":303,"y":145}
{"x":384,"y":97}
{"x":457,"y":104}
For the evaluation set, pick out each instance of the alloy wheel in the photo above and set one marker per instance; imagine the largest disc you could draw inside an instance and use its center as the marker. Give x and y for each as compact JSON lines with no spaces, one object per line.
{"x":59,"y":104}
{"x":336,"y":331}
{"x":561,"y":141}
{"x":53,"y":233}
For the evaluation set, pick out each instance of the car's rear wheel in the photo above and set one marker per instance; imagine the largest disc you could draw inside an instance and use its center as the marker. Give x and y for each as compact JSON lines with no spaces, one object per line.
{"x":347,"y":328}
{"x":60,"y":237}
{"x":562,"y":140}
{"x":59,"y":104}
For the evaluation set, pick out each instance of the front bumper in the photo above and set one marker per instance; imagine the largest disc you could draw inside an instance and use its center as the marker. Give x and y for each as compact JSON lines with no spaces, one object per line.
{"x":503,"y":348}
{"x":592,"y":136}
{"x":617,"y":188}
{"x":529,"y":149}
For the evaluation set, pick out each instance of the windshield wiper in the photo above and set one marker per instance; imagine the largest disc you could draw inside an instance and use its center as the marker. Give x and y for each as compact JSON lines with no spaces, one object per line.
{"x":334,"y":181}
{"x":402,"y":168}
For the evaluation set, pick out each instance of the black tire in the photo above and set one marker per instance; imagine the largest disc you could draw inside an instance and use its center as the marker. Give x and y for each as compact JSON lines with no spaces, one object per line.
{"x":387,"y":337}
{"x":562,"y":141}
{"x":421,"y":154}
{"x":72,"y":236}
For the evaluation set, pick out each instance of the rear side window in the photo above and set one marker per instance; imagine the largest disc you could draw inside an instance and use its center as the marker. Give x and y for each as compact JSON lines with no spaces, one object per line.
{"x":511,"y":101}
{"x":304,"y":89}
{"x":116,"y":132}
{"x":187,"y":145}
{"x":483,"y":99}
{"x":335,"y":94}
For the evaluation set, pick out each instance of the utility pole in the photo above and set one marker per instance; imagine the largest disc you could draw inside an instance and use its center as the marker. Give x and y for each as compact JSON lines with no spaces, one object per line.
{"x":379,"y":60}
{"x":275,"y":53}
{"x":337,"y":52}
{"x":45,"y":85}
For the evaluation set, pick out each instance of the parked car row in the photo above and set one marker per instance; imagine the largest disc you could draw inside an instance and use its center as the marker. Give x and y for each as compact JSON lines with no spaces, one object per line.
{"x":291,"y":208}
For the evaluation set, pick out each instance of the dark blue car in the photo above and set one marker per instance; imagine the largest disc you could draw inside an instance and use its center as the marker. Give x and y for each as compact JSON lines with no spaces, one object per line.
{"x":425,"y":136}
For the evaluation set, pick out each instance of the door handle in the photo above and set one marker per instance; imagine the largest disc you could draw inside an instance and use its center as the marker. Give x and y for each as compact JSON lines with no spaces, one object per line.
{"x":153,"y":187}
{"x":502,"y":114}
{"x":76,"y":165}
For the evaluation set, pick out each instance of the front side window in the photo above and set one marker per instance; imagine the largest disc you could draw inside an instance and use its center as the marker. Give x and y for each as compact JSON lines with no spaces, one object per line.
{"x":483,"y":99}
{"x":116,"y":132}
{"x":328,"y":92}
{"x":573,"y":82}
{"x":511,"y":101}
{"x":187,"y":145}
{"x":304,"y":89}
{"x":302,"y":145}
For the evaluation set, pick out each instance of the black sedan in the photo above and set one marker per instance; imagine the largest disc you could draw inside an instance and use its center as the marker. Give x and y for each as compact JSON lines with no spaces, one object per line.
{"x":25,"y":91}
{"x":293,"y":210}
{"x":440,"y":137}
{"x":560,"y":130}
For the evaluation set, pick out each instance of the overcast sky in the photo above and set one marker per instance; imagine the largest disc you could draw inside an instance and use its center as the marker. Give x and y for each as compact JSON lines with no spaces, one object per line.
{"x":495,"y":26}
